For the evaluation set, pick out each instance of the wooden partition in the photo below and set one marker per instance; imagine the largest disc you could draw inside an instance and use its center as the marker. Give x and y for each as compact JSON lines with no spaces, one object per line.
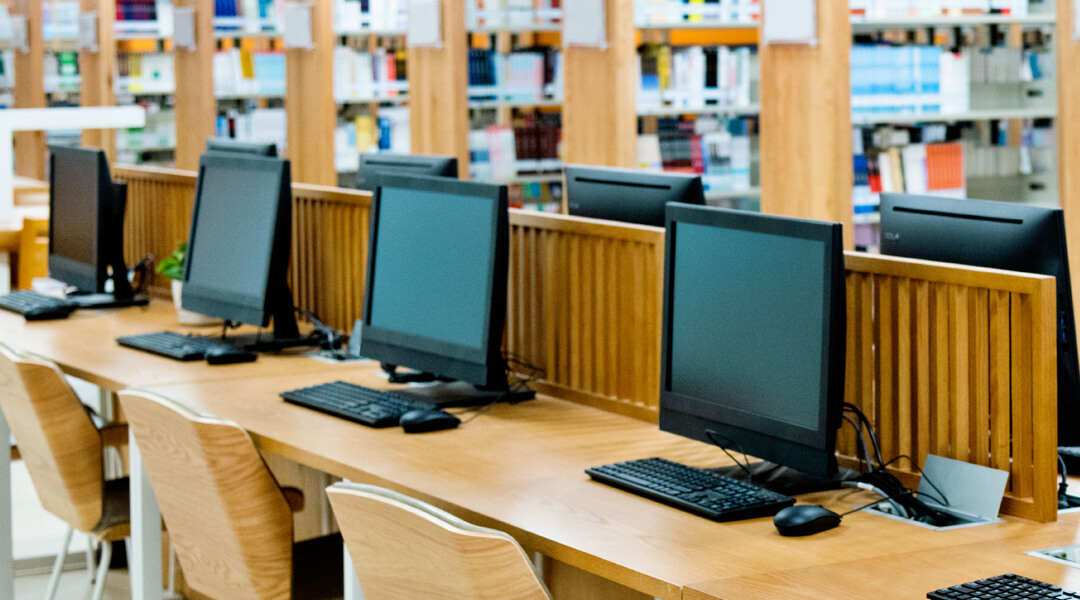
{"x":948,"y":360}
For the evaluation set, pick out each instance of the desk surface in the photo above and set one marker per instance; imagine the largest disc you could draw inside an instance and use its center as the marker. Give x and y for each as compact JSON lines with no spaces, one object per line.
{"x":84,"y":345}
{"x":520,"y":469}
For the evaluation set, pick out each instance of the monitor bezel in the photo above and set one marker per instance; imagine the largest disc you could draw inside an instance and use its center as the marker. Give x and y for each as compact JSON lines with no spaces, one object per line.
{"x":373,"y":166}
{"x":83,"y":276}
{"x":222,"y":145}
{"x":811,"y":451}
{"x":637,"y":213}
{"x":480,"y":366}
{"x":245,"y":308}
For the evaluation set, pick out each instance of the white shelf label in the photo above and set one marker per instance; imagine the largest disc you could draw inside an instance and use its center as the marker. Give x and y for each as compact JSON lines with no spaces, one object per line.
{"x":789,"y":22}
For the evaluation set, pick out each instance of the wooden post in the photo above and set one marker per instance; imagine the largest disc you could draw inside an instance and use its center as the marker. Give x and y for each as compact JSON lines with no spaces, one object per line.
{"x":311,"y":114}
{"x":30,"y":90}
{"x":438,"y":92}
{"x":1068,"y":132}
{"x":196,"y":105}
{"x":600,"y":95}
{"x":97,"y":70}
{"x":806,"y":168}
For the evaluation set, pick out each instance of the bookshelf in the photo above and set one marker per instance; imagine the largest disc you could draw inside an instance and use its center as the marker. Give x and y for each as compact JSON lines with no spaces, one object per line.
{"x":30,"y":146}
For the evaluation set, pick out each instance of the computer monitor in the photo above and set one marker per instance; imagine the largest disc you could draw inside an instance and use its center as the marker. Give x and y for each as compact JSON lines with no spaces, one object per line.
{"x":753,"y":335}
{"x":628,"y":195}
{"x":374,"y":165}
{"x":999,"y":235}
{"x":238,"y":251}
{"x":238,"y":147}
{"x":86,"y":228}
{"x":435,"y":296}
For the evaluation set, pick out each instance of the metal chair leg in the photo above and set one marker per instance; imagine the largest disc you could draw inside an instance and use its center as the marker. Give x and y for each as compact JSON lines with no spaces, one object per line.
{"x":102,"y":571}
{"x":90,"y":566}
{"x":58,"y":566}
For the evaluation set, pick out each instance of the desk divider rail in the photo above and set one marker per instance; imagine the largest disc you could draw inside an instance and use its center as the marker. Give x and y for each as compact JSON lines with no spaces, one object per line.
{"x":948,"y":360}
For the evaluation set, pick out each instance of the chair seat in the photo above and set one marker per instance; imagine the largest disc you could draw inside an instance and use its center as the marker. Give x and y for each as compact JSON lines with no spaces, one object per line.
{"x":115,"y":523}
{"x":318,"y":568}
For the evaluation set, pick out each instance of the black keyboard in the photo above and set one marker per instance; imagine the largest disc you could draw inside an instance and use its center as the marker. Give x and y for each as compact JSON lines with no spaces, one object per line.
{"x":701,"y":492}
{"x":1004,"y":587}
{"x":374,"y":408}
{"x":174,"y":345}
{"x":35,"y":306}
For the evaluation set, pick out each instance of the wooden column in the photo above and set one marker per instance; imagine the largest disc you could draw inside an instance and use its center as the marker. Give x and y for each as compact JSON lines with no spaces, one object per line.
{"x":806,"y":168}
{"x":438,"y":92}
{"x":196,"y":106}
{"x":97,"y":70}
{"x":309,"y":102}
{"x":1068,"y":132}
{"x":30,"y":90}
{"x":600,"y":95}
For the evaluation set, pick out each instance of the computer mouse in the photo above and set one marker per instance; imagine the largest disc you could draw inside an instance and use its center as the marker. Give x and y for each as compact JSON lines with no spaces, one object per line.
{"x":805,"y":519}
{"x":47,"y":313}
{"x":428,"y":419}
{"x":228,"y":356}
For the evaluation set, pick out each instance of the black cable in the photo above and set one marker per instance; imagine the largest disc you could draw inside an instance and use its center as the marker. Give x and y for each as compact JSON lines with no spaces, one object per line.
{"x":864,"y":457}
{"x":869,"y":428}
{"x":943,"y":499}
{"x":515,"y":382}
{"x":879,"y":501}
{"x":712,"y":437}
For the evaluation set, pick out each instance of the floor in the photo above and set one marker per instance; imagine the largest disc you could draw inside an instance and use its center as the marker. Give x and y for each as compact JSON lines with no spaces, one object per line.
{"x":74,"y":585}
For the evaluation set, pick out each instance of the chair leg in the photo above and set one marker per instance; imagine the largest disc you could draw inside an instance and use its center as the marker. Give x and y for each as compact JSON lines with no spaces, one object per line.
{"x":90,"y":566}
{"x":58,"y":566}
{"x":102,"y":571}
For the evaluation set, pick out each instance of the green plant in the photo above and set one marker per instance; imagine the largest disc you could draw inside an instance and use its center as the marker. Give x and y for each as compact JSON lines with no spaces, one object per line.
{"x":172,"y":266}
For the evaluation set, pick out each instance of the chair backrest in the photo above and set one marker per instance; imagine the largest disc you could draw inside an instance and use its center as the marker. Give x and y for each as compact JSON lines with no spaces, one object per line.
{"x":404,"y":548}
{"x":57,"y":439}
{"x":227,"y":518}
{"x":33,"y":252}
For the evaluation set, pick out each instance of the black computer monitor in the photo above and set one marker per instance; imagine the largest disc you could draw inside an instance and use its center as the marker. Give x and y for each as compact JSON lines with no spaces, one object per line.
{"x":239,"y":147}
{"x":238,"y":251}
{"x":374,"y":165}
{"x":753,"y":335}
{"x":628,"y":195}
{"x":435,"y":297}
{"x":86,"y":237}
{"x":999,"y":235}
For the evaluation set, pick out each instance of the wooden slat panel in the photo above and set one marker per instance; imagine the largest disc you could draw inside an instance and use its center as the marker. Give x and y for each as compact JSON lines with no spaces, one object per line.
{"x":980,"y":377}
{"x":1020,"y":316}
{"x":959,"y":431}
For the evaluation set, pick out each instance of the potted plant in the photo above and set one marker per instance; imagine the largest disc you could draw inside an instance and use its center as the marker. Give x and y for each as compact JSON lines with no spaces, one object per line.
{"x":172,"y":268}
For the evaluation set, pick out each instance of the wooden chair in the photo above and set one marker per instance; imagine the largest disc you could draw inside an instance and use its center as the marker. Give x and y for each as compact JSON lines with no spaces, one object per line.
{"x":404,"y":548}
{"x":63,"y":452}
{"x":229,"y":522}
{"x":33,"y":255}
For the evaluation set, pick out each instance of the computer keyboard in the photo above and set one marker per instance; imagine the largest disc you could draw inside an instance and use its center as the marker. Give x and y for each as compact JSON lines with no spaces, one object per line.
{"x":35,"y":306}
{"x":374,"y":408}
{"x":1003,"y":587}
{"x":176,"y":345}
{"x":701,"y":492}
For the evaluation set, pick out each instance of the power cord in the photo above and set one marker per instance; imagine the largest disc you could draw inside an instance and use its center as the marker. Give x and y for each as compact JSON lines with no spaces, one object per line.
{"x":719,"y":440}
{"x":520,"y":375}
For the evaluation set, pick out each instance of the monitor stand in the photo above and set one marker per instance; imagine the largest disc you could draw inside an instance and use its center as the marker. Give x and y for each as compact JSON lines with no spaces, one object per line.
{"x":446,"y":394}
{"x":785,"y":480}
{"x":86,"y":300}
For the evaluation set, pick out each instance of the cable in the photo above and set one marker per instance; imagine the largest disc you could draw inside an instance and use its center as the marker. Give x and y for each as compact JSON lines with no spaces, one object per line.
{"x":943,"y":499}
{"x":863,"y":456}
{"x":869,"y":428}
{"x":519,"y":378}
{"x":712,"y":437}
{"x":879,"y":501}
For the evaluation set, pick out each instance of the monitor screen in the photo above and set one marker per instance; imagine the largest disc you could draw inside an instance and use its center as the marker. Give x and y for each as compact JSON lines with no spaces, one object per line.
{"x":753,"y":335}
{"x":82,"y":205}
{"x":436,"y":283}
{"x":375,"y":165}
{"x":628,"y":195}
{"x":999,"y":235}
{"x":238,"y":249}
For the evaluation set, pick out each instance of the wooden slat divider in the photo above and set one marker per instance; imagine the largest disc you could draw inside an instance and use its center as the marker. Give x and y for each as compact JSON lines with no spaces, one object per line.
{"x":952,"y":360}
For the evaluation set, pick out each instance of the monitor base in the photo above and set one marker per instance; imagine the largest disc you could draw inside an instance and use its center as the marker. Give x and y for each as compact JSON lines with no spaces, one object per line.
{"x":106,"y":301}
{"x":787,"y":481}
{"x":458,"y":393}
{"x":266,"y":342}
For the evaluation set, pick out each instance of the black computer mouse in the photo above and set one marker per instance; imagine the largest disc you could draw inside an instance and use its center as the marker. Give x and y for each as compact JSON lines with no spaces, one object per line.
{"x":805,"y":519}
{"x":427,"y":419}
{"x":228,"y":356}
{"x":48,"y":313}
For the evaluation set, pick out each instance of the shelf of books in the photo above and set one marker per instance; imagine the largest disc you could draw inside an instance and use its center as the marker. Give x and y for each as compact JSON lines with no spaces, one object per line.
{"x":957,"y":103}
{"x":697,"y":97}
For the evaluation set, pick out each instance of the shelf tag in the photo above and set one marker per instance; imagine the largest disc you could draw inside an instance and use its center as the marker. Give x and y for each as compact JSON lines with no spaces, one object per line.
{"x":19,"y":33}
{"x":584,"y":24}
{"x":88,"y":31}
{"x":298,"y":25}
{"x":425,"y":24}
{"x":789,"y":22}
{"x":184,"y":28}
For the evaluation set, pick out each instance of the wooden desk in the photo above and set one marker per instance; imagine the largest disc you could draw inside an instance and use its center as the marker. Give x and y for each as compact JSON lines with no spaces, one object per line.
{"x":84,"y":346}
{"x":908,"y":575}
{"x":520,"y":469}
